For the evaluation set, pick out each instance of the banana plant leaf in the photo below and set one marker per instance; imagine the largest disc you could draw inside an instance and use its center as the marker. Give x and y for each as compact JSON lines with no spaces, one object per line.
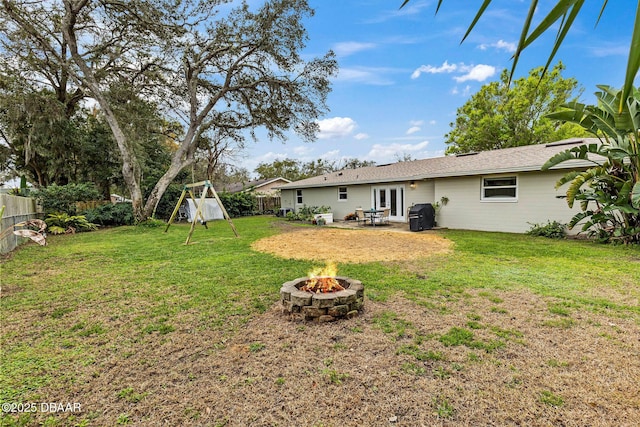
{"x":635,"y":195}
{"x":563,"y":14}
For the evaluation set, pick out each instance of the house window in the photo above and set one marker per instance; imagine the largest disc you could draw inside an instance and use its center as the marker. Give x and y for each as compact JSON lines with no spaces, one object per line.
{"x":502,"y":188}
{"x":299,"y":197}
{"x":342,"y":193}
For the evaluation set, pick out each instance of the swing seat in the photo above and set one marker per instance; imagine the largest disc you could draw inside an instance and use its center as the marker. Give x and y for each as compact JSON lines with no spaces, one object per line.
{"x":204,"y":209}
{"x":210,"y":210}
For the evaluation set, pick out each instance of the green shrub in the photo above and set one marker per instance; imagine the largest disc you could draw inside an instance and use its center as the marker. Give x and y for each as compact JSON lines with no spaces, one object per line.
{"x":59,"y":223}
{"x":238,"y":204}
{"x":111,"y":214}
{"x":306,"y":213}
{"x":152,"y":223}
{"x":551,"y":230}
{"x":63,"y":198}
{"x":292,"y":216}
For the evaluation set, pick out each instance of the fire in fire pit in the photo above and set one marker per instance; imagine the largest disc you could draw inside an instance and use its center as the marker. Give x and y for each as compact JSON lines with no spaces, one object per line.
{"x":323,"y":280}
{"x":322,"y":296}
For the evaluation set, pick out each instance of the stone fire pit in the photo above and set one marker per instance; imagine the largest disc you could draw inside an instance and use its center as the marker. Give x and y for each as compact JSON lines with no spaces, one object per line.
{"x":323,"y":306}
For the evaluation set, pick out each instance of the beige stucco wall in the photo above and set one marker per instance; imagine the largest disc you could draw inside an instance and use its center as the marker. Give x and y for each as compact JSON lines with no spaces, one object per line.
{"x":357,"y":196}
{"x":536,"y":204}
{"x":424,"y":192}
{"x":269,"y":189}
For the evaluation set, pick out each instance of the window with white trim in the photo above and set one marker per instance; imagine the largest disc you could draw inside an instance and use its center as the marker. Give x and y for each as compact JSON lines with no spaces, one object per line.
{"x":342,"y":193}
{"x":299,"y":197}
{"x":500,"y":188}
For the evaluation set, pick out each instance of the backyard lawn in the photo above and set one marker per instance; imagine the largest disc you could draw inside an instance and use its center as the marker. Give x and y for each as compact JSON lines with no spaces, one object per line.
{"x":128,"y":326}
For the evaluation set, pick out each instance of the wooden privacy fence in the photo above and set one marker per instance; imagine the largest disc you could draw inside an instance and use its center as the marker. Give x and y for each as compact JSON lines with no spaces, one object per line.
{"x":17,"y":209}
{"x":267,"y":204}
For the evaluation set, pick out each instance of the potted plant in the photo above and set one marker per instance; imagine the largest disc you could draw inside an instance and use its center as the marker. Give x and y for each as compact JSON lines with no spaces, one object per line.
{"x":323,"y":212}
{"x":437,"y":206}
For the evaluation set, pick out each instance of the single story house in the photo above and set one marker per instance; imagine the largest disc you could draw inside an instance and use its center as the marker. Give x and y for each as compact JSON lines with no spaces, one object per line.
{"x":500,"y":190}
{"x":266,"y":187}
{"x":265,"y":190}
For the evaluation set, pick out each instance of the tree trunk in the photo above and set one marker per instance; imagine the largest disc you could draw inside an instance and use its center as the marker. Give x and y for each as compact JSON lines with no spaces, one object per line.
{"x":162,"y":185}
{"x":130,"y":164}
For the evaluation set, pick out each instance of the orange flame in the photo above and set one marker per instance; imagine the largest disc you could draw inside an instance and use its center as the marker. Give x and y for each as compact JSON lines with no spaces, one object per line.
{"x":322,"y":280}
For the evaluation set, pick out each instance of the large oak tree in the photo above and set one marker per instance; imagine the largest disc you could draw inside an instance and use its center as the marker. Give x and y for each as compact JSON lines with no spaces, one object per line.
{"x":209,"y":67}
{"x":502,"y":115}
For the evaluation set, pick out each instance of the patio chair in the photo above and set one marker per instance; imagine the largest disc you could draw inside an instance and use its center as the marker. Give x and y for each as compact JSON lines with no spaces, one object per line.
{"x":183,"y":213}
{"x":383,"y":218}
{"x":360,"y":216}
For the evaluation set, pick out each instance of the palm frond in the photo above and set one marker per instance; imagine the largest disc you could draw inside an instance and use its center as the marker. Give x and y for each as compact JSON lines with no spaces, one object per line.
{"x":483,"y":7}
{"x":579,"y":217}
{"x":576,"y":153}
{"x":581,"y":179}
{"x":635,"y":195}
{"x":568,"y":177}
{"x":565,"y":25}
{"x":633,"y":63}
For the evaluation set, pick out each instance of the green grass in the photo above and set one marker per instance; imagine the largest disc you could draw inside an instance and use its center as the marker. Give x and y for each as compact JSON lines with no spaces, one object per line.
{"x":118,"y":288}
{"x":551,"y":399}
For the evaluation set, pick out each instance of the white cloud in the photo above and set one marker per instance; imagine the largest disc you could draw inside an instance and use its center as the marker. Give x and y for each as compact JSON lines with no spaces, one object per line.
{"x":349,"y":48}
{"x":411,"y":9}
{"x":500,"y":45}
{"x":387,"y":153}
{"x":367,"y":75}
{"x":444,"y":68}
{"x":432,"y":122}
{"x":336,"y":127}
{"x":413,"y":129}
{"x":609,"y":49}
{"x":331,"y":155}
{"x":508,"y":46}
{"x":416,"y":122}
{"x":466,"y":91}
{"x":302,"y":150}
{"x":478,"y":73}
{"x":360,"y":136}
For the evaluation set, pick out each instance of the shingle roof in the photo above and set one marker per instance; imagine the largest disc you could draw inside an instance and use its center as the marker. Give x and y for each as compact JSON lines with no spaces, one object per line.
{"x":236,"y":187}
{"x":508,"y":160}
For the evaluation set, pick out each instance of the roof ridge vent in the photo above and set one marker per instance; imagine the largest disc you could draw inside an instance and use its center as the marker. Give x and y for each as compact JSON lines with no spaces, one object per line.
{"x":565,"y":142}
{"x":473,"y":153}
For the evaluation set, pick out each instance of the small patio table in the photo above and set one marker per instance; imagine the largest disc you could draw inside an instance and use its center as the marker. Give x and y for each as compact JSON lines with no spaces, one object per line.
{"x":372,"y":214}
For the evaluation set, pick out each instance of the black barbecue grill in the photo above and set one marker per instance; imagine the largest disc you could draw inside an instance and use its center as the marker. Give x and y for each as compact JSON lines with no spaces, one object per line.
{"x":421,"y":217}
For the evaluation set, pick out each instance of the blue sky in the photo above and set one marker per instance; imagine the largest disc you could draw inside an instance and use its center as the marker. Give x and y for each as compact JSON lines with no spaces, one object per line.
{"x":403,"y":73}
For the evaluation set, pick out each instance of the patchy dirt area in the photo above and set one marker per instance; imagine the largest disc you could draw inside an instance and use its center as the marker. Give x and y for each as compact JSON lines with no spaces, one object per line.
{"x":401,"y":363}
{"x":354,"y":246}
{"x":469,"y":358}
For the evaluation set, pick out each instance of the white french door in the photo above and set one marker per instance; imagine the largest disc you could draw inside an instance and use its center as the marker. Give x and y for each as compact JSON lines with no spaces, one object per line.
{"x":392,"y":197}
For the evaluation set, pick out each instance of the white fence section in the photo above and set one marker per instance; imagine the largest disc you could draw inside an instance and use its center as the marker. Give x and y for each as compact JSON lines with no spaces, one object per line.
{"x":17,"y":209}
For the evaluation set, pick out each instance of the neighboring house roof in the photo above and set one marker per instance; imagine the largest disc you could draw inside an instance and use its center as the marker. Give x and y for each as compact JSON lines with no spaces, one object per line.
{"x":252,"y":185}
{"x":508,"y":160}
